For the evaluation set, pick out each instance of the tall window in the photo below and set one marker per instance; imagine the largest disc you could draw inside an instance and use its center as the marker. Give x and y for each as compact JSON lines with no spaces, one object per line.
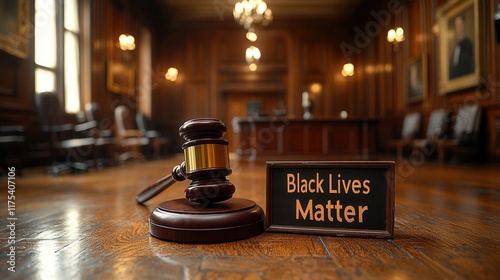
{"x":57,"y":28}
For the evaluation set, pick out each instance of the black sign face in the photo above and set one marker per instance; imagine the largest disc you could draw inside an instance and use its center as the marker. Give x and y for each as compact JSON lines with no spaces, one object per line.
{"x":354,"y":198}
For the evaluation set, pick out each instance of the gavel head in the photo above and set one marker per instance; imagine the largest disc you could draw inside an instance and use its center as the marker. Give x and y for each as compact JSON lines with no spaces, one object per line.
{"x":206,"y":161}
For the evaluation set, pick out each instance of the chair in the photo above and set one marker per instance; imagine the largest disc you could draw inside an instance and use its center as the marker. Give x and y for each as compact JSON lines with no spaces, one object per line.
{"x":128,"y":138}
{"x":64,"y":135}
{"x":410,"y":129}
{"x":467,"y":138}
{"x":436,"y":131}
{"x":148,"y":130}
{"x":102,"y":133}
{"x":11,"y":140}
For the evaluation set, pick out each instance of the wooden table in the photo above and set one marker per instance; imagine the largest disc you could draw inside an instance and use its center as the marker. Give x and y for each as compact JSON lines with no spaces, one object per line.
{"x":264,"y":138}
{"x":88,"y":226}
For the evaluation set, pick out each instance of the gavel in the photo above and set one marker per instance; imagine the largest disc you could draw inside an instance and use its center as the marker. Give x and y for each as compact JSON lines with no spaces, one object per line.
{"x":206,"y":164}
{"x":209,"y":213}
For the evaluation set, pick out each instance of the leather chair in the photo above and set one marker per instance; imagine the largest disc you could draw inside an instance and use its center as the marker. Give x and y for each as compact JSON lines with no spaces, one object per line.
{"x":148,"y":130}
{"x":409,"y":131}
{"x":467,"y":140}
{"x":103,"y":135}
{"x":436,"y":131}
{"x":128,"y":138}
{"x":64,"y":135}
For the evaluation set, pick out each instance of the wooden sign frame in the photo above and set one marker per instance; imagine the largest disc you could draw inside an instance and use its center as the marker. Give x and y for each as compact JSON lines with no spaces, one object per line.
{"x":383,"y":227}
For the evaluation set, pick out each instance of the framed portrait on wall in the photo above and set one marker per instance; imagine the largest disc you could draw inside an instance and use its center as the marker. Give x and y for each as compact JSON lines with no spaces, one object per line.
{"x":15,"y":27}
{"x":120,"y":78}
{"x":460,"y":45}
{"x":416,"y":77}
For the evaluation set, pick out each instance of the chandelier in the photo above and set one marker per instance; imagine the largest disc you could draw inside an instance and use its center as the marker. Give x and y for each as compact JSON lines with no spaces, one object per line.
{"x":252,"y":14}
{"x":396,"y":36}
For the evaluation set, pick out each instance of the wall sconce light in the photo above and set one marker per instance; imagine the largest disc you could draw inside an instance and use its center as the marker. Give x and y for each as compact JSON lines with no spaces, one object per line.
{"x":315,"y":88}
{"x":252,"y":56}
{"x":348,"y":70}
{"x":396,"y":36}
{"x":126,"y":42}
{"x":171,"y":74}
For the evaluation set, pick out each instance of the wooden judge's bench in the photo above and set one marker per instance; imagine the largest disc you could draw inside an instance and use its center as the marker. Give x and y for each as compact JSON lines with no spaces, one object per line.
{"x":264,"y":138}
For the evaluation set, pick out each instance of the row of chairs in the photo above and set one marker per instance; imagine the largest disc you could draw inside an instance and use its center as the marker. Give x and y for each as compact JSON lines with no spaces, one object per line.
{"x":462,"y":135}
{"x":93,"y":140}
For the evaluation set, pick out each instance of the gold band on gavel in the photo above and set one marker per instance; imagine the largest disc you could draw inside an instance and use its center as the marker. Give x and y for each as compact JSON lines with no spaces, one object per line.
{"x":206,"y":156}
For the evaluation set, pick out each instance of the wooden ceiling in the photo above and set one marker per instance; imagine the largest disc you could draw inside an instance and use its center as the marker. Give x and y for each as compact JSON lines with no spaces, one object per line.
{"x":337,"y":11}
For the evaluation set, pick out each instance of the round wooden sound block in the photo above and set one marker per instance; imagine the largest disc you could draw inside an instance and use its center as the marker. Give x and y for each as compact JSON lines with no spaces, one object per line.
{"x":182,"y":221}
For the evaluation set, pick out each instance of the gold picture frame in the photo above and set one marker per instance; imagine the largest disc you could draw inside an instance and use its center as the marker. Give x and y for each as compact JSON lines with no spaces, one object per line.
{"x":15,"y":27}
{"x":460,"y":46}
{"x":121,"y":78}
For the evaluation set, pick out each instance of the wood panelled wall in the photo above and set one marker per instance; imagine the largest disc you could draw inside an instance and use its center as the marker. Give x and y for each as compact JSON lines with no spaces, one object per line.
{"x":423,"y":41}
{"x":215,"y":82}
{"x":16,"y":98}
{"x":102,"y":23}
{"x":109,"y":20}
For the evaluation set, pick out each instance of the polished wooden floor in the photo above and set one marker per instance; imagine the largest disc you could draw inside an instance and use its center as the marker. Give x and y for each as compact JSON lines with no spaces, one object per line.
{"x":88,"y":226}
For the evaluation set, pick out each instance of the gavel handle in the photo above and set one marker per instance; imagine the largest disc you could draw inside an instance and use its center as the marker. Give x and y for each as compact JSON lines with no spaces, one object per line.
{"x":155,"y":189}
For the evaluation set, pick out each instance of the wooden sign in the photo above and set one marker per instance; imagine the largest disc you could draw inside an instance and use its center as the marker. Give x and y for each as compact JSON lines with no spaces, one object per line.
{"x":354,"y":198}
